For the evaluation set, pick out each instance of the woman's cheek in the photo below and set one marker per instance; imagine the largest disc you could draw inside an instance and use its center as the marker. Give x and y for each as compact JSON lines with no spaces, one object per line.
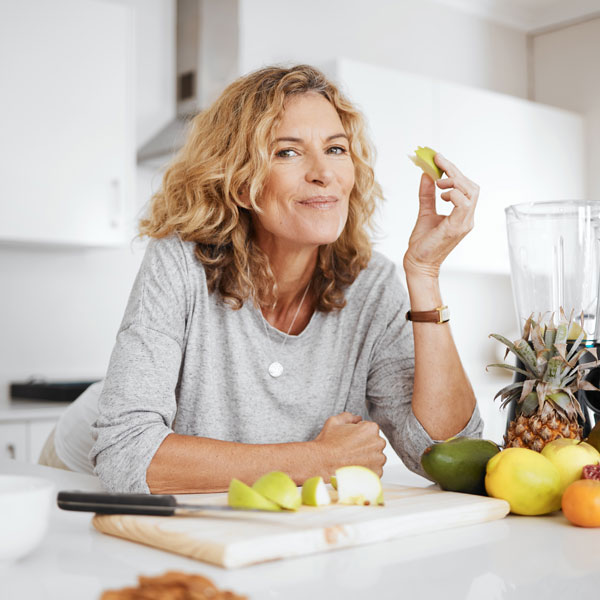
{"x":341,"y":225}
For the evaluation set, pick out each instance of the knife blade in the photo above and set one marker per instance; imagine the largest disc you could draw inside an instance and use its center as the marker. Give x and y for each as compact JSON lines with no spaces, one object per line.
{"x":135,"y":504}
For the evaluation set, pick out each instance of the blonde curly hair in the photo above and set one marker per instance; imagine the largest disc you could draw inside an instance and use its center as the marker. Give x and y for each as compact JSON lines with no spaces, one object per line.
{"x":229,"y":149}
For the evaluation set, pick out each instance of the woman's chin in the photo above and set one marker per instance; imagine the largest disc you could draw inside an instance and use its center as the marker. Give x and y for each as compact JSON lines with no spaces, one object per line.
{"x":321,"y":232}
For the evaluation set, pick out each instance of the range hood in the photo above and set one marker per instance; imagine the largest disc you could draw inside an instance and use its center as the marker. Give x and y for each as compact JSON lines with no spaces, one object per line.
{"x":207,"y":58}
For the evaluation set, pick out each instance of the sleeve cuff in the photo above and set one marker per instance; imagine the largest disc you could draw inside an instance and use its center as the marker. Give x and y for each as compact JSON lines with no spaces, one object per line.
{"x":129,"y":476}
{"x":414,"y":440}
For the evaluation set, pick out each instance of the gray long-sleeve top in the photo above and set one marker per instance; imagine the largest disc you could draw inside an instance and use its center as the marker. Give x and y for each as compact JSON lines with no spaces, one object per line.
{"x":186,"y":362}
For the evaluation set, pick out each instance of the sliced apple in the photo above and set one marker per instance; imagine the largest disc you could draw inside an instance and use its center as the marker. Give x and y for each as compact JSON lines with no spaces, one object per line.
{"x":279,"y":488}
{"x":358,"y":485}
{"x":314,"y":492}
{"x":333,"y":482}
{"x":424,"y":159}
{"x":241,"y":495}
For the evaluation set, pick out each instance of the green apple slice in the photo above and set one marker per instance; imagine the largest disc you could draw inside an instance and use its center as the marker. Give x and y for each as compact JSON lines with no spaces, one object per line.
{"x":358,"y":485}
{"x":424,"y":159}
{"x":279,"y":488}
{"x":314,"y":492}
{"x":241,"y":495}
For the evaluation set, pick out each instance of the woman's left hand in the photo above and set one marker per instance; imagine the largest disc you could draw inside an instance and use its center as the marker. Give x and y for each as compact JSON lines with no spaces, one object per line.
{"x":434,"y":236}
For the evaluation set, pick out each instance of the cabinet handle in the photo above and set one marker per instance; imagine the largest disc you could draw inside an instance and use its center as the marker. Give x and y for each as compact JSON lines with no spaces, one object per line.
{"x":11,"y":451}
{"x":116,"y":213}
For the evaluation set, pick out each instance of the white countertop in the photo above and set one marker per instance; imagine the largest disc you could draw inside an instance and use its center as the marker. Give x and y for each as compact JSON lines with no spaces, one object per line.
{"x":28,"y":410}
{"x":514,"y":558}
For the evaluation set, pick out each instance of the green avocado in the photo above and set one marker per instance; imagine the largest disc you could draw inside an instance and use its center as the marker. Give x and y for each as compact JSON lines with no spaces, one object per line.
{"x":458,"y":464}
{"x":593,"y":439}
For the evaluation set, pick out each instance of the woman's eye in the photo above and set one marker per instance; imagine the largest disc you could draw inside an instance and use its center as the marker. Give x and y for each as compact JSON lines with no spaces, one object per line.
{"x":337,"y":150}
{"x":288,"y":152}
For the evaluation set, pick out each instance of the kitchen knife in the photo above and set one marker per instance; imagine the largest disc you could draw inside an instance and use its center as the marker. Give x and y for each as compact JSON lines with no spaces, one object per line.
{"x":134,"y":504}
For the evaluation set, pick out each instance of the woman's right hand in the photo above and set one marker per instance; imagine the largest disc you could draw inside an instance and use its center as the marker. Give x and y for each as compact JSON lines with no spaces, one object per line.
{"x":348,"y":440}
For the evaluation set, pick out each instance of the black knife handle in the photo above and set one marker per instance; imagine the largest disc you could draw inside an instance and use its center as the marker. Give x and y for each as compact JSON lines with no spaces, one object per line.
{"x":117,"y":504}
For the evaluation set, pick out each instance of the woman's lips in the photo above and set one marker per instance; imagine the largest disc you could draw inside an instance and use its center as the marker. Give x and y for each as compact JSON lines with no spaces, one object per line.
{"x":319,"y":201}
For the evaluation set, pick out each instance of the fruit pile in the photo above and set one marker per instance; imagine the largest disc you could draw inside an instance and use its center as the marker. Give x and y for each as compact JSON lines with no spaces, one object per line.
{"x":565,"y":474}
{"x":276,"y":491}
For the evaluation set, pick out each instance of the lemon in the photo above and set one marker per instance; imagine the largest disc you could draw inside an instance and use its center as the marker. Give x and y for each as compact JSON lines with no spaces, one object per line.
{"x":528,"y":481}
{"x":575,"y":331}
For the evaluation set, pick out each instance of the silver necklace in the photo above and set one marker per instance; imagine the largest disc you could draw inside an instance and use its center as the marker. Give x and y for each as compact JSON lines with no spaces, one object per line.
{"x":276,"y":368}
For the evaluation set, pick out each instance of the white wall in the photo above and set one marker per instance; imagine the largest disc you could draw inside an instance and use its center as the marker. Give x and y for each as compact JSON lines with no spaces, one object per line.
{"x":419,"y":36}
{"x":60,"y":309}
{"x":566,"y":74}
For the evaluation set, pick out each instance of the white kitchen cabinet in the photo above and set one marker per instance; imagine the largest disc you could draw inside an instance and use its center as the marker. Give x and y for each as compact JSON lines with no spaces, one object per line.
{"x":516,"y":150}
{"x":67,"y":143}
{"x":25,"y":426}
{"x":24,"y":440}
{"x":13,"y":441}
{"x":38,"y":432}
{"x":399,"y":108}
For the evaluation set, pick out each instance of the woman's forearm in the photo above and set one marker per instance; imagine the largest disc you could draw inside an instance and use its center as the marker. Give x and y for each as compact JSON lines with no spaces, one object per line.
{"x":185,"y":464}
{"x":443,"y":399}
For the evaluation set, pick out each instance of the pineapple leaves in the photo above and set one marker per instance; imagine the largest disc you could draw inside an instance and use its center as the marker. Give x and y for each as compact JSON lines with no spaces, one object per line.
{"x":572,"y":360}
{"x":549,"y":336}
{"x":549,"y":358}
{"x":509,"y":389}
{"x":529,"y":405}
{"x":538,"y":341}
{"x":560,"y":399}
{"x":527,"y":389}
{"x":573,"y":407}
{"x":527,"y":355}
{"x":541,"y":389}
{"x":562,"y":331}
{"x":510,"y":368}
{"x":560,"y":402}
{"x":527,"y":327}
{"x":576,"y":345}
{"x":584,"y":384}
{"x":553,"y":370}
{"x":514,"y":396}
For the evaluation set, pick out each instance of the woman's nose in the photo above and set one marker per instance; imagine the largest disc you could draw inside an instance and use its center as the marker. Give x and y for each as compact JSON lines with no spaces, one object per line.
{"x":319,"y":171}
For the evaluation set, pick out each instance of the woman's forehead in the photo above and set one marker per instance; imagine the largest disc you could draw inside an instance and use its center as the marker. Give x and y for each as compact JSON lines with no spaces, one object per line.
{"x":308,"y":110}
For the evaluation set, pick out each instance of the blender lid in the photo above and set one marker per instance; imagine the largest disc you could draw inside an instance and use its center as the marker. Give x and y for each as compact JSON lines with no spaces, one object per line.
{"x":552,"y":208}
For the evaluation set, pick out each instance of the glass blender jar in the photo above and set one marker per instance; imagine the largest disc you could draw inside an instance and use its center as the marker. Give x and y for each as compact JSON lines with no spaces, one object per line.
{"x":554,"y":250}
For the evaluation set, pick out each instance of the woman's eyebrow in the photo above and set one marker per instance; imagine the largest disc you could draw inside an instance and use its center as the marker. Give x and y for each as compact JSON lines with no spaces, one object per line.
{"x":300,"y":140}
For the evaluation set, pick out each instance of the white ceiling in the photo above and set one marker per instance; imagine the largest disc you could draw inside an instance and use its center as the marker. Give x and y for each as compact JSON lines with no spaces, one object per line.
{"x":529,"y":15}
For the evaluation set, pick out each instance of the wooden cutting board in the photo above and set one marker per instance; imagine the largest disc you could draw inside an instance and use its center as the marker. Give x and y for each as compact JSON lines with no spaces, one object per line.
{"x":236,"y":539}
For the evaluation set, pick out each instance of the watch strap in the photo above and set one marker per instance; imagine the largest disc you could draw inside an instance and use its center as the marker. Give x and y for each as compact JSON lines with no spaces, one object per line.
{"x":438,"y":315}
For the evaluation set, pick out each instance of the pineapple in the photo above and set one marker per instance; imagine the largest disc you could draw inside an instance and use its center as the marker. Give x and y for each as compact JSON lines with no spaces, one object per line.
{"x":546,"y":403}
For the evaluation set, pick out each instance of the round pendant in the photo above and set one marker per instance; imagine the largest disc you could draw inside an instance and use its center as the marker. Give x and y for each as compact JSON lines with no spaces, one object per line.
{"x":275,"y":369}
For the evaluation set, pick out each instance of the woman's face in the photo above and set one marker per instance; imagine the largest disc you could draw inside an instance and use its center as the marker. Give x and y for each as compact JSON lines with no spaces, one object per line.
{"x":306,"y":194}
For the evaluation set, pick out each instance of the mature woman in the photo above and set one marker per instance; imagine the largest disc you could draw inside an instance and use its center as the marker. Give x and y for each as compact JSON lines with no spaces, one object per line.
{"x":262,"y":331}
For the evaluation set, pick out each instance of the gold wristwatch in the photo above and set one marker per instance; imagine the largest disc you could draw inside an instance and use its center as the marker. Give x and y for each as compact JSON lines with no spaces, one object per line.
{"x":438,"y":315}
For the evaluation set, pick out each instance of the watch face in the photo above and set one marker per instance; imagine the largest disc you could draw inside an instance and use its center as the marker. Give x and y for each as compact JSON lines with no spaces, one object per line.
{"x":445,"y":314}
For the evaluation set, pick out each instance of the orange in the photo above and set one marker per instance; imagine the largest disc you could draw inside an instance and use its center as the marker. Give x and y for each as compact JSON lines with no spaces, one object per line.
{"x":581,"y":503}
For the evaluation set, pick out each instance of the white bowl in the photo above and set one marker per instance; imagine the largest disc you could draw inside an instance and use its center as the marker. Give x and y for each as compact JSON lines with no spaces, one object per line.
{"x":24,"y":514}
